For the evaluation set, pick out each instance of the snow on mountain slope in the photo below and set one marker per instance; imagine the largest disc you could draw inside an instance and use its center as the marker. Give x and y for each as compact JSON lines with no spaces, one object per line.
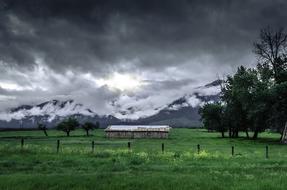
{"x":184,"y":108}
{"x":51,"y":109}
{"x":127,"y":108}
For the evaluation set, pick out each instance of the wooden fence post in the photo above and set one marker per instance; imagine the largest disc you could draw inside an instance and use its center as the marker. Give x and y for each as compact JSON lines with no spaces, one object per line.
{"x":22,"y":142}
{"x":267,"y":152}
{"x":129,"y":145}
{"x":58,"y":145}
{"x":93,"y":146}
{"x":198,"y":149}
{"x":232,"y":150}
{"x":162,"y":147}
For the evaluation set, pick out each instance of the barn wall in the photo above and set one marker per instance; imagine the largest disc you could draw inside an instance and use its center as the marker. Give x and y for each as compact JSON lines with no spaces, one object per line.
{"x":136,"y":134}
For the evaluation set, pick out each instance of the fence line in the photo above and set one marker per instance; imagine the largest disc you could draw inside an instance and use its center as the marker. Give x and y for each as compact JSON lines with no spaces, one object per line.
{"x":200,"y":148}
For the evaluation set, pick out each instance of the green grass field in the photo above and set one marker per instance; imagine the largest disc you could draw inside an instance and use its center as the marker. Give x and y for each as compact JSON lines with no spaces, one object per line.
{"x":113,"y":166}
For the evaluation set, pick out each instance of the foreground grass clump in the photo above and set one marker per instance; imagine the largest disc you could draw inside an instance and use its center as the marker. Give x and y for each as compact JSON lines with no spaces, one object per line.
{"x":111,"y":165}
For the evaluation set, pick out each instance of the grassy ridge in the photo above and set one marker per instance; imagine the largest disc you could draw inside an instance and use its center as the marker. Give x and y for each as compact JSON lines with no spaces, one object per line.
{"x":112,"y":166}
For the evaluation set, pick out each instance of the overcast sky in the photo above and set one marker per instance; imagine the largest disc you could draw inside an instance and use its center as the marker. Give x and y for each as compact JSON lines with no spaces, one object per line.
{"x":122,"y":53}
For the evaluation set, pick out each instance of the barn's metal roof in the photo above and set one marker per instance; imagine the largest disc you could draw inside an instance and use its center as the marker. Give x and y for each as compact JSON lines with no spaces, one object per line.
{"x":138,"y":128}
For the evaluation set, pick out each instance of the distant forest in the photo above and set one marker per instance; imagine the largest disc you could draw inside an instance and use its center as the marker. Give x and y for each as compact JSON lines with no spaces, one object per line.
{"x":253,"y":99}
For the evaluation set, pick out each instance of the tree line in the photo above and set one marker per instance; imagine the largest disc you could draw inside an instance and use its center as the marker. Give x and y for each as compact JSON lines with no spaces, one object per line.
{"x":253,"y":99}
{"x":70,"y":124}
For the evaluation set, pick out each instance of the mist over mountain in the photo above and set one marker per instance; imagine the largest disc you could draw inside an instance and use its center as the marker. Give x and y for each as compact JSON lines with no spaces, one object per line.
{"x":182,"y":112}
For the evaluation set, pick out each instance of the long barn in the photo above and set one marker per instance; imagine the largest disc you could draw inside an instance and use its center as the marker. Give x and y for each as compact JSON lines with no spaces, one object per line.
{"x":137,"y":131}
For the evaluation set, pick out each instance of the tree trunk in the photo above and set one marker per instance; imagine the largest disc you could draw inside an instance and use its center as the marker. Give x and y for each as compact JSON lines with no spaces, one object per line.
{"x":283,"y":134}
{"x":247,"y":135}
{"x":87,"y":131}
{"x":235,"y":133}
{"x":255,"y":135}
{"x":229,"y":132}
{"x":222,"y":134}
{"x":68,"y":133}
{"x":45,"y":132}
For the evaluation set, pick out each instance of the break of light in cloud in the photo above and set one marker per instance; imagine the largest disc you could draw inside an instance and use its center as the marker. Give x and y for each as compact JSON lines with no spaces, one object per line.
{"x":123,"y":82}
{"x":12,"y":86}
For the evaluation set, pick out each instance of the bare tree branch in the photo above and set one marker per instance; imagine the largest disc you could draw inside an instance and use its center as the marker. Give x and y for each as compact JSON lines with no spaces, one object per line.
{"x":272,"y":45}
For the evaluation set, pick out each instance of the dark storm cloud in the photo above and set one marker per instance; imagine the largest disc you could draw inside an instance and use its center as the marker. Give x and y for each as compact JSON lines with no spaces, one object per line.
{"x":100,"y":35}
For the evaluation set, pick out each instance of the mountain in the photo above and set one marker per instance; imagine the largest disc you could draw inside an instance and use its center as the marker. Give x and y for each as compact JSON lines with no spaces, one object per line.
{"x":182,"y":112}
{"x":51,"y":113}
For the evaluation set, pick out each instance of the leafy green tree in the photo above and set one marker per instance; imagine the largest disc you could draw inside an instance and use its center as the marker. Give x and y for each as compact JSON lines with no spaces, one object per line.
{"x":237,"y":93}
{"x":68,"y":125}
{"x":259,"y":109}
{"x":278,"y":108}
{"x":248,"y":101}
{"x":271,"y":50}
{"x":90,"y":126}
{"x":43,"y":127}
{"x":211,"y":115}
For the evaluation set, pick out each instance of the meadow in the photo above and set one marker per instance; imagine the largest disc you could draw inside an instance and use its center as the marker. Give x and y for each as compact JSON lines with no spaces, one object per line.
{"x":111,"y":165}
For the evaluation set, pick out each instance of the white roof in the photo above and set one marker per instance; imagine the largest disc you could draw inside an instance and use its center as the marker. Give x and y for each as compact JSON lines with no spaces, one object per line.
{"x":138,"y":128}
